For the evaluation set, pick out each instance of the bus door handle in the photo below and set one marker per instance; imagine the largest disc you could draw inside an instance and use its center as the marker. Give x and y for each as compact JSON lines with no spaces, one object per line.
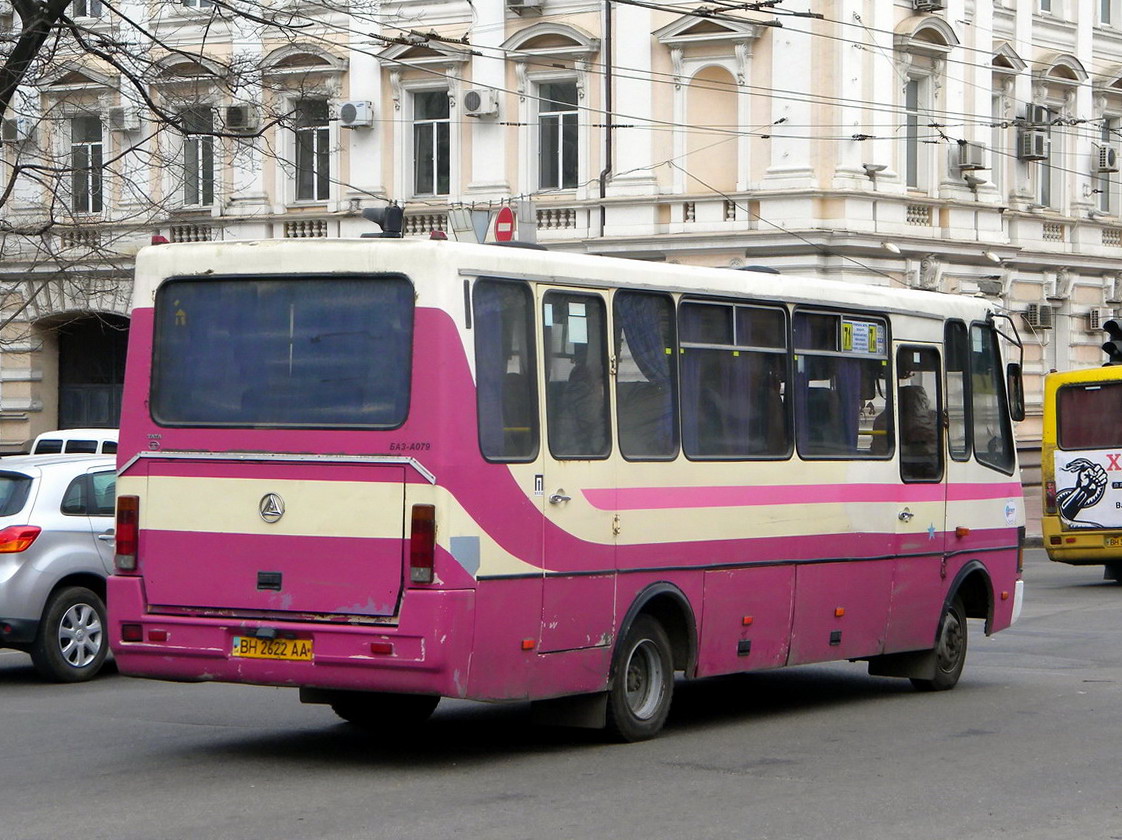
{"x":906,"y":515}
{"x":558,"y":498}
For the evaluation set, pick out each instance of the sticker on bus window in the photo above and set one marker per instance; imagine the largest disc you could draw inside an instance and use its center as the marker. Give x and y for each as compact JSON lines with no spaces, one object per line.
{"x":862,"y":337}
{"x":547,"y":315}
{"x":578,"y":329}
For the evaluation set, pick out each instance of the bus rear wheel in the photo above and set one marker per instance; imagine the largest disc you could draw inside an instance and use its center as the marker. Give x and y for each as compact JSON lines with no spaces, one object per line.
{"x":371,"y":710}
{"x":950,"y":649}
{"x":642,"y":682}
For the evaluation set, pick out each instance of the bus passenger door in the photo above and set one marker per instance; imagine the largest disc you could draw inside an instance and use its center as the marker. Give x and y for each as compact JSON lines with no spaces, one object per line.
{"x":922,"y":505}
{"x":579,"y":480}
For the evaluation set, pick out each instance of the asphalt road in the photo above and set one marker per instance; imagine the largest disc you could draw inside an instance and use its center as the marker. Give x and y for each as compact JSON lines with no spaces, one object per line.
{"x":1026,"y":747}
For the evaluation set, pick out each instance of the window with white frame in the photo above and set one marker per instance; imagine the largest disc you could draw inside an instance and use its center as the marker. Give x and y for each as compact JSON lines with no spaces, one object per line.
{"x":917,"y":149}
{"x":86,"y":8}
{"x":1106,"y":183}
{"x":197,"y":4}
{"x":1049,"y":173}
{"x":313,"y":151}
{"x":558,"y":144}
{"x":432,"y":141}
{"x":198,"y":155}
{"x":86,"y":164}
{"x":1106,"y":12}
{"x":998,"y":140}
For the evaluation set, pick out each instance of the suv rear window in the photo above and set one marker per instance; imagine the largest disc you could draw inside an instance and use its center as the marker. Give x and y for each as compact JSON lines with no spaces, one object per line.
{"x":267,"y":352}
{"x":14,"y":488}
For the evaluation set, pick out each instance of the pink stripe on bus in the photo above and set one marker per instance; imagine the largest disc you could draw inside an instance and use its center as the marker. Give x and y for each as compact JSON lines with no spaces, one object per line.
{"x":662,"y":498}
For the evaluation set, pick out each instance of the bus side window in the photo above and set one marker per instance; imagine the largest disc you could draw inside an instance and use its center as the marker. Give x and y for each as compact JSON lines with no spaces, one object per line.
{"x":646,"y":378}
{"x":576,"y":375}
{"x":921,"y":444}
{"x":957,"y":397}
{"x":841,"y":405}
{"x":506,"y":384}
{"x":993,"y":433}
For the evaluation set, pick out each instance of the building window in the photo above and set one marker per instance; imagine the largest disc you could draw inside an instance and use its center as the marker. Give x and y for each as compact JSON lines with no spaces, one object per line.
{"x":998,"y":151}
{"x":1105,"y":16}
{"x":1106,"y":184}
{"x":198,"y":4}
{"x":1047,"y":191}
{"x":86,"y":8}
{"x":916,"y":153}
{"x":86,"y":162}
{"x":313,"y":161}
{"x":198,"y":155}
{"x":557,"y":135}
{"x":431,"y":143}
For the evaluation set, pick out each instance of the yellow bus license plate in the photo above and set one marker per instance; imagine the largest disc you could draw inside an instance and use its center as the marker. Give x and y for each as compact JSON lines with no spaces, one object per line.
{"x":292,"y":650}
{"x":1113,"y":542}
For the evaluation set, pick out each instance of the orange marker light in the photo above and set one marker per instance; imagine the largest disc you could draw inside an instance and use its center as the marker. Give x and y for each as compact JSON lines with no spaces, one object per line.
{"x":528,"y":644}
{"x":746,"y":621}
{"x":839,"y":612}
{"x":962,"y":531}
{"x":1005,"y":596}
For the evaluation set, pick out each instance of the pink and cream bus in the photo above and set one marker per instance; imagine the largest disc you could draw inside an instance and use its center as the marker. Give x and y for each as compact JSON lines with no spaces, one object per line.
{"x":391,"y":471}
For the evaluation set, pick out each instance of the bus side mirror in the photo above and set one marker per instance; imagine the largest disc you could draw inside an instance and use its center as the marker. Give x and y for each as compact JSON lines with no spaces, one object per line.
{"x":1015,"y":387}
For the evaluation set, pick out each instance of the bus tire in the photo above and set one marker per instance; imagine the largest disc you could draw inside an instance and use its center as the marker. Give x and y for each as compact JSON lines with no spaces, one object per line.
{"x":950,"y":649}
{"x":71,"y":644}
{"x":642,"y":683}
{"x":371,"y":710}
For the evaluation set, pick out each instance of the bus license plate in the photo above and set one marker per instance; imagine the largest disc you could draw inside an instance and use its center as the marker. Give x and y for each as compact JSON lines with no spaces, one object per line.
{"x":292,"y":650}
{"x":1113,"y":542}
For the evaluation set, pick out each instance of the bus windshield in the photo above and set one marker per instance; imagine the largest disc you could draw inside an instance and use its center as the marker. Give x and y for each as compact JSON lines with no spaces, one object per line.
{"x":306,"y":351}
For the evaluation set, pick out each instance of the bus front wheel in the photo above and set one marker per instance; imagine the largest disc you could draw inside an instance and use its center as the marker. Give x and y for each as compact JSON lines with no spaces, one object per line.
{"x":642,"y":682}
{"x":950,"y":649}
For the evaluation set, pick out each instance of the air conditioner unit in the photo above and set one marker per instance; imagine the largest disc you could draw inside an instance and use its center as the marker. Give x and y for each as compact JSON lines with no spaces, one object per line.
{"x":1038,"y":316}
{"x":241,"y":119}
{"x":356,"y":114}
{"x":1097,"y":317}
{"x":16,"y":130}
{"x":522,"y":7}
{"x":481,"y":103}
{"x":1106,"y":158}
{"x":1038,"y":115}
{"x":124,"y":119}
{"x":972,"y":156}
{"x":927,"y":5}
{"x":1032,"y":144}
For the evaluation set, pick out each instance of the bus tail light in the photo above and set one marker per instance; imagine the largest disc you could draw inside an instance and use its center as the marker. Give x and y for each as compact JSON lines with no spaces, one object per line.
{"x":422,"y":544}
{"x":127,"y":533}
{"x":1050,"y":497}
{"x":16,"y":538}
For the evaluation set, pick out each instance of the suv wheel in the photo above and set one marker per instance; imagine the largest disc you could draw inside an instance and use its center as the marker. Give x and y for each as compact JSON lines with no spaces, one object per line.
{"x":71,"y":644}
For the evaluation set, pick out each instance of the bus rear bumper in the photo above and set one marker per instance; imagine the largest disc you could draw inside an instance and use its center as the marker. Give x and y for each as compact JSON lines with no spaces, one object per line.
{"x":426,"y":652}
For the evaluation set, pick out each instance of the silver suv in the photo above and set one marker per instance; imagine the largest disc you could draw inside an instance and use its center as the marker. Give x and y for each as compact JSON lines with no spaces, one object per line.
{"x":56,"y":550}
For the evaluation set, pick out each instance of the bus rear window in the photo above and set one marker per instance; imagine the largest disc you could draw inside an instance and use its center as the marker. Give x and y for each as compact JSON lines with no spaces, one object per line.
{"x":1087,"y":416}
{"x":314,"y":352}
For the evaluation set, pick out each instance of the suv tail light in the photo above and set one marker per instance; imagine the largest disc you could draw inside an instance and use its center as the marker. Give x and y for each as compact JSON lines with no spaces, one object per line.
{"x":422,"y":544}
{"x":127,"y":533}
{"x":16,"y":538}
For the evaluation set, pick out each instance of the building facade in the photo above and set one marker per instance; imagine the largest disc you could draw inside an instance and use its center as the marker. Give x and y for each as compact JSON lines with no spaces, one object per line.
{"x":968,"y":146}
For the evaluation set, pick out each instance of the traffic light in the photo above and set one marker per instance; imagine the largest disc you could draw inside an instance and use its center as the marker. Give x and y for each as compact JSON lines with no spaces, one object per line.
{"x":1113,"y":348}
{"x":390,"y":219}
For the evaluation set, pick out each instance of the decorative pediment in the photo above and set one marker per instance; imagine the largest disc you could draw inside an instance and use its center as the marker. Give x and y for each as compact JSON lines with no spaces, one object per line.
{"x":76,"y":77}
{"x":1060,"y":68}
{"x":1006,"y":60}
{"x":689,"y":30}
{"x":553,"y":39}
{"x":1111,"y":82}
{"x":925,"y":35}
{"x":427,"y":54}
{"x":297,"y":59}
{"x":177,"y":68}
